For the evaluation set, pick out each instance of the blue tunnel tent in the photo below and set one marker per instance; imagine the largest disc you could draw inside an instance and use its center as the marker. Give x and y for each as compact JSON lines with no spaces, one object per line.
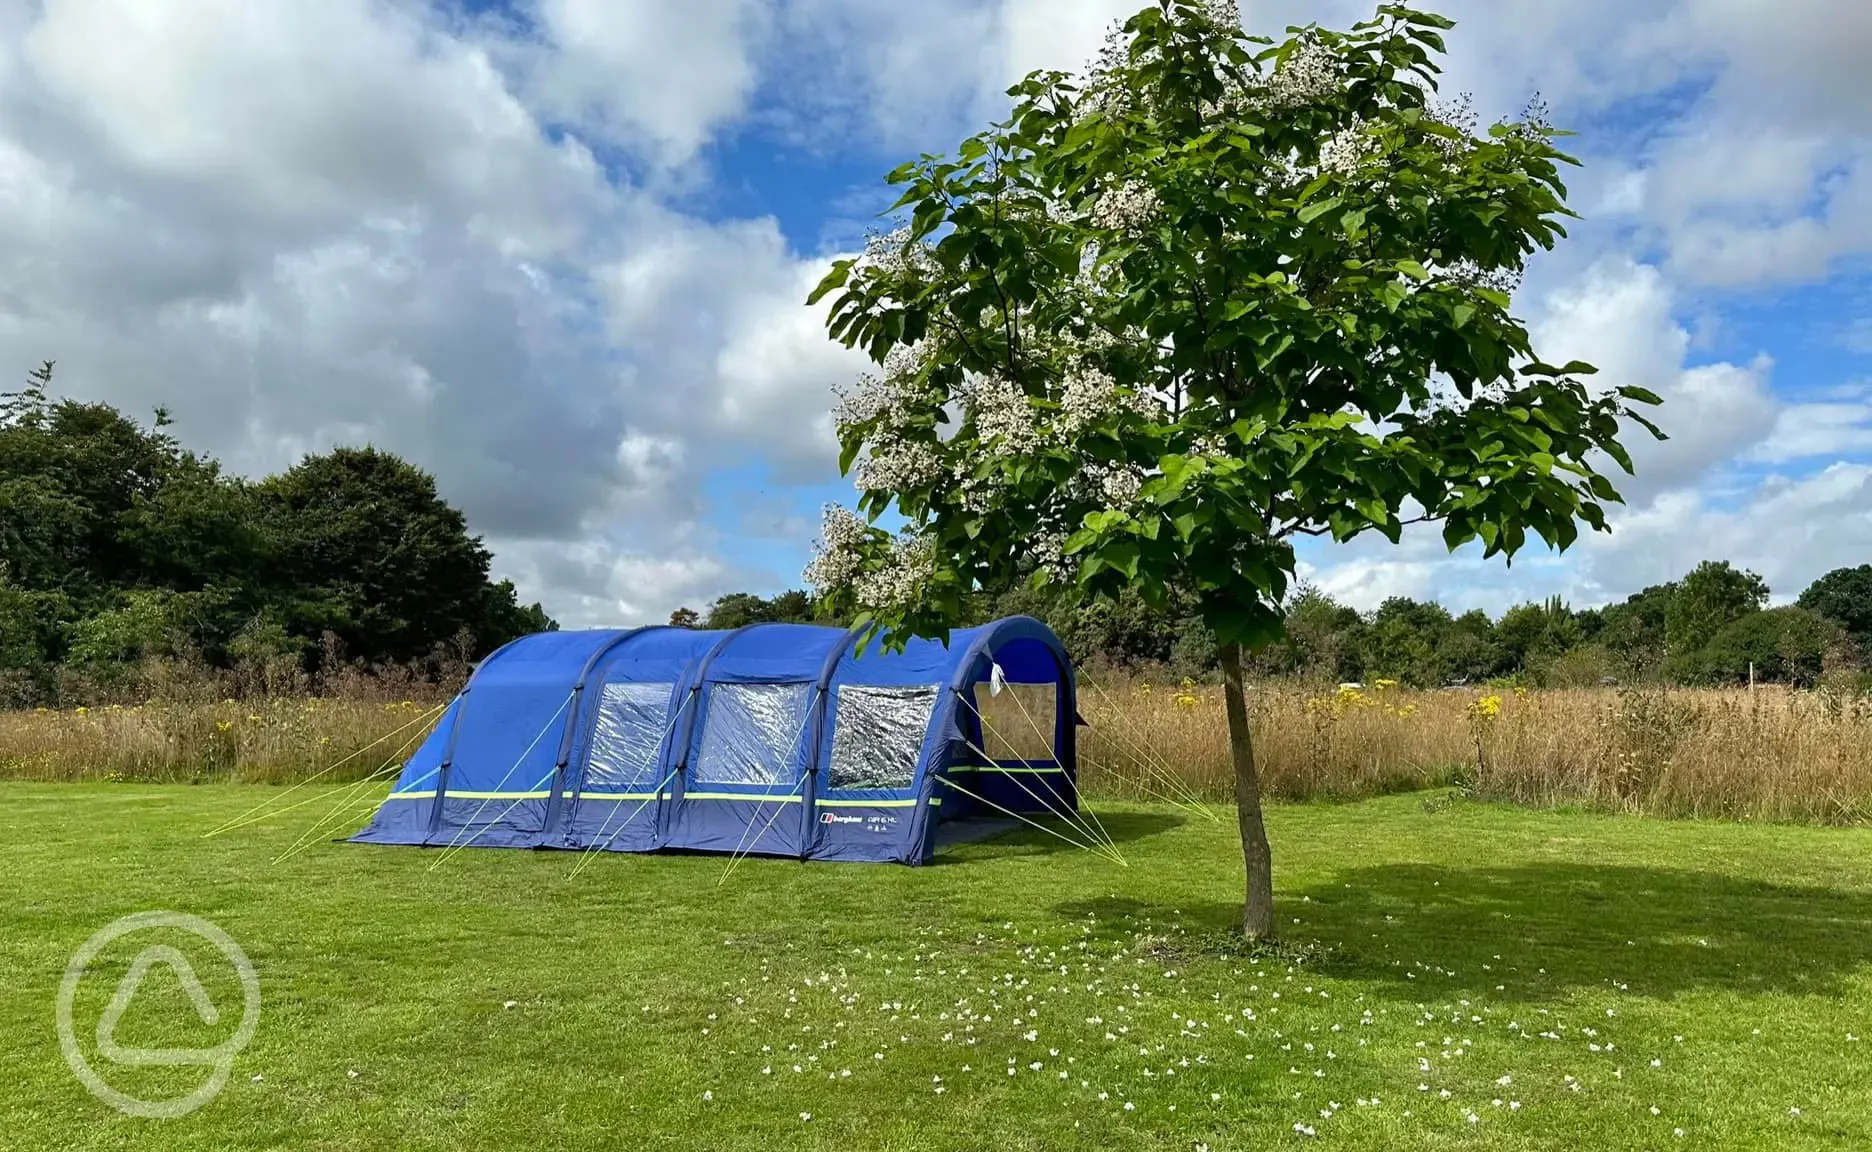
{"x":775,"y":739}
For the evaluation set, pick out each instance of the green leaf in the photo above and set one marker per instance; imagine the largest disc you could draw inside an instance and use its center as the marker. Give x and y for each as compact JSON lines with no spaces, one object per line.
{"x":1461,"y":315}
{"x":1413,"y":269}
{"x":1123,"y":556}
{"x":1648,"y":426}
{"x":1641,"y":395}
{"x":1317,"y":209}
{"x":834,"y":280}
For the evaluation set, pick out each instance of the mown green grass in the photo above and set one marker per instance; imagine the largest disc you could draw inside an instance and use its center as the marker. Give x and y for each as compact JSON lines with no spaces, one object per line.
{"x":496,"y":1002}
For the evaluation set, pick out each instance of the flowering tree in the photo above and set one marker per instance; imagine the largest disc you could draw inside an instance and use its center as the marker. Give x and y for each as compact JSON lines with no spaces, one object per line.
{"x":1215,"y":296}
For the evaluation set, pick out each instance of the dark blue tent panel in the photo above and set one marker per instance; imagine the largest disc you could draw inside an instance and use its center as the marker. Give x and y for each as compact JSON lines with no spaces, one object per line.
{"x":777,"y":739}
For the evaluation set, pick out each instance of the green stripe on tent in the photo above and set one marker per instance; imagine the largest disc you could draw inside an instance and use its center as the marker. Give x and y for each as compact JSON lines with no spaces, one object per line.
{"x":741,"y":796}
{"x":910,"y":803}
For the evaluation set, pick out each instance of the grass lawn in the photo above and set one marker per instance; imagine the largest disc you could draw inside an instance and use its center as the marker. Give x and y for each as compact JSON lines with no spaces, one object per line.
{"x":1489,"y":978}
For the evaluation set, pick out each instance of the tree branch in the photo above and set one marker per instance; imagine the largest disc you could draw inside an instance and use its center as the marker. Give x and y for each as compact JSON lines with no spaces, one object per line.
{"x":1298,"y":527}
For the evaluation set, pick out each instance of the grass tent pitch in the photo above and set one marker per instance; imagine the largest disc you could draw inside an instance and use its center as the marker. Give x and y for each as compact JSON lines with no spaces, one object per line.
{"x":777,"y":739}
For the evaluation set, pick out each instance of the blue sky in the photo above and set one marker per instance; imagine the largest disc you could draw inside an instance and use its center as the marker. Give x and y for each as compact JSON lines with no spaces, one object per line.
{"x":557,"y":251}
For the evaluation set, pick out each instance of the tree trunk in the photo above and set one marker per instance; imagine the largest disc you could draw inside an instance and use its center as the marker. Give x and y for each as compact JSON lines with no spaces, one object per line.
{"x":1258,"y":907}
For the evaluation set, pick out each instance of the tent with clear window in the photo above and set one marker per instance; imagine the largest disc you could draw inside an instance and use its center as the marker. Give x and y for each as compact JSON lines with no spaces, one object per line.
{"x":773,"y":739}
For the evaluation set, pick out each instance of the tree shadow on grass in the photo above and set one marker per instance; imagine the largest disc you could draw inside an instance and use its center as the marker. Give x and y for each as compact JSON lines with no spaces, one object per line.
{"x":1008,"y":837}
{"x":1535,"y":931}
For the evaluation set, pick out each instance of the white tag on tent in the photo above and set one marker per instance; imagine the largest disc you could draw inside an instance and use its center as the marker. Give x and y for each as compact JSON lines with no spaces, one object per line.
{"x":996,"y":678}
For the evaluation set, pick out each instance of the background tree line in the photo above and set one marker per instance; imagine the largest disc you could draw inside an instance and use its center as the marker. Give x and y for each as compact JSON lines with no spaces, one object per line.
{"x":119,"y":546}
{"x":1704,"y":629}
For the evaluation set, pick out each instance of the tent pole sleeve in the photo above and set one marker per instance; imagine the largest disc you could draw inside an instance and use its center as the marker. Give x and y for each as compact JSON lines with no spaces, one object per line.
{"x":555,"y":805}
{"x":816,"y":753}
{"x":448,"y":751}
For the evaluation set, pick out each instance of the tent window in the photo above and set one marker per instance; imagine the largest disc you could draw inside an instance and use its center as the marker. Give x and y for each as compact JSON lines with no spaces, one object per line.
{"x":751,"y":733}
{"x":628,"y":734}
{"x":880,"y":734}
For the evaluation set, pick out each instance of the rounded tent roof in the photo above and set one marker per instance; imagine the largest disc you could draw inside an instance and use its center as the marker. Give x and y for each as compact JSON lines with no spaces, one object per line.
{"x":1025,"y":648}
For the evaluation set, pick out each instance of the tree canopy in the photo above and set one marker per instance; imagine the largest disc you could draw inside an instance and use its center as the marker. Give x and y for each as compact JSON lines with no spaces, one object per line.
{"x":1844,"y":596}
{"x":117,"y":544}
{"x":1219,"y":294}
{"x":1421,"y":644}
{"x":1217,"y":297}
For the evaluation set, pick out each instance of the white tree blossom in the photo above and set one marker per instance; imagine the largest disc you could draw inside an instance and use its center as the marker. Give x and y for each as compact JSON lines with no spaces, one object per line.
{"x":1224,"y":14}
{"x":1003,"y":414}
{"x":889,"y":397}
{"x":1210,"y":447}
{"x":899,"y":465}
{"x":1347,"y":148}
{"x":900,"y":583}
{"x":895,"y":254}
{"x":1127,"y":208}
{"x":837,"y":558}
{"x":1309,"y":75}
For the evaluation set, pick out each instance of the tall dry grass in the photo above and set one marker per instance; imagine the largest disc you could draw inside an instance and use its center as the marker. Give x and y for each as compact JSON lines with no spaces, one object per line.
{"x":1772,"y":754}
{"x":253,"y":742}
{"x":1767,"y":755}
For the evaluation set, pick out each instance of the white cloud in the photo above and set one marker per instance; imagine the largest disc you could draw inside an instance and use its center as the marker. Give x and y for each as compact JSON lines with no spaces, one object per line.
{"x":383,"y":240}
{"x":646,"y":72}
{"x":726,"y":307}
{"x":400,"y":232}
{"x":1790,"y":530}
{"x":1838,"y":426}
{"x":598,"y":585}
{"x":1619,"y":317}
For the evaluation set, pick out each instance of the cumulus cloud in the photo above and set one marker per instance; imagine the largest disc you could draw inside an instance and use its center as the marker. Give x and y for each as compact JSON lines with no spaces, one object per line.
{"x":1619,"y":316}
{"x":659,"y":77}
{"x":1791,"y":530}
{"x":398,"y":234}
{"x":1837,"y":425}
{"x":495,"y":243}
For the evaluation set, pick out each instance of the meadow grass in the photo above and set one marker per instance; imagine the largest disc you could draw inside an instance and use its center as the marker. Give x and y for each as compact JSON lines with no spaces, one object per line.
{"x":1770,"y":755}
{"x":1453,"y":974}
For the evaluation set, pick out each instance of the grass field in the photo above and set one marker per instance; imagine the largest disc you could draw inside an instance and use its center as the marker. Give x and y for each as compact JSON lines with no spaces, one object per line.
{"x":1772,"y":755}
{"x":1468,"y":976}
